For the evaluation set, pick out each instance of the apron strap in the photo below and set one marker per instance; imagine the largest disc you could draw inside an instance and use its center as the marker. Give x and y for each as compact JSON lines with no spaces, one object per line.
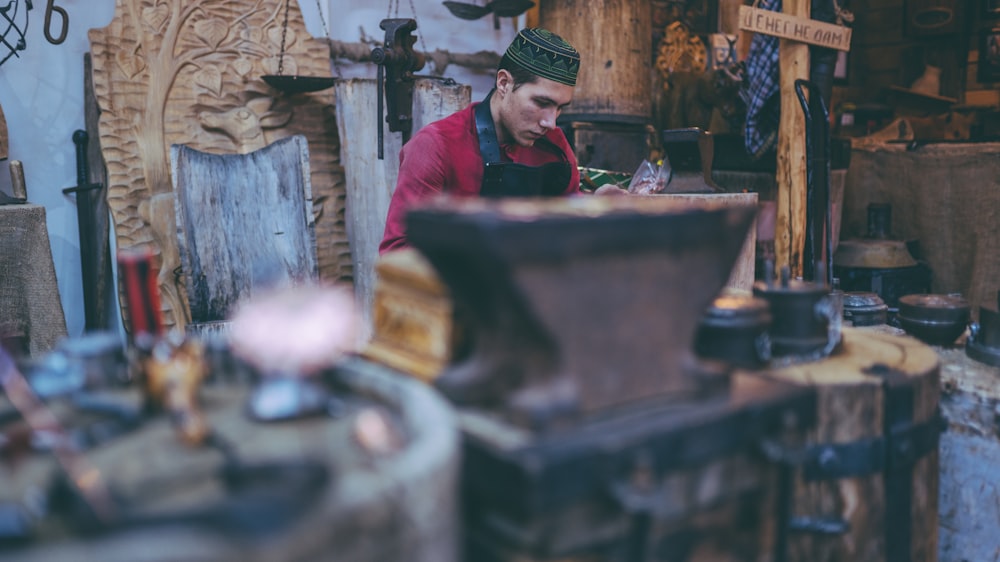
{"x":489,"y":146}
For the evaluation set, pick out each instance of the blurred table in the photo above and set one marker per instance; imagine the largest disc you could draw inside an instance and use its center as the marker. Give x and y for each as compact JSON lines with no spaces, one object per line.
{"x":31,"y":313}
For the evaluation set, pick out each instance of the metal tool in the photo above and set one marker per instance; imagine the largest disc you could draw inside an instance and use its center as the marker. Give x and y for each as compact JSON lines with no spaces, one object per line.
{"x":17,"y":24}
{"x":819,"y":216}
{"x":544,"y":349}
{"x":85,"y":219}
{"x":397,"y":61}
{"x":983,"y":343}
{"x":50,"y":9}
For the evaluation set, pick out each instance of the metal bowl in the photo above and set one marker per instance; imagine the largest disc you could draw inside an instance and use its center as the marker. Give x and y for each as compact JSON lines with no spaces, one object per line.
{"x":934,"y":319}
{"x":466,"y":11}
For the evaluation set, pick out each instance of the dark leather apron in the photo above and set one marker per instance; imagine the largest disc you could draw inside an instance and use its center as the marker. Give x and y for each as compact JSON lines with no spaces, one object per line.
{"x":509,"y":179}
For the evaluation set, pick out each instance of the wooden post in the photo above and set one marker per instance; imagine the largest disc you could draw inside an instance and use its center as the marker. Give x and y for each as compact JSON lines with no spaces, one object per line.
{"x":790,"y":224}
{"x":370,"y":182}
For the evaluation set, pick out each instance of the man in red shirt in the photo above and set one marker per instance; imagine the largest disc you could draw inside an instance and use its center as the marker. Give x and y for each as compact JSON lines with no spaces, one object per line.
{"x":506,"y":146}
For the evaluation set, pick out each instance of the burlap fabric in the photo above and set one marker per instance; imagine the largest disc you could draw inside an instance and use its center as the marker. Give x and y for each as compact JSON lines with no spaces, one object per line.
{"x":29,"y":297}
{"x":947,"y":196}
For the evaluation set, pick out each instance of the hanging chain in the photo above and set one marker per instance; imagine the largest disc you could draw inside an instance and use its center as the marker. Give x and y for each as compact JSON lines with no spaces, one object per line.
{"x":326,"y":32}
{"x":388,"y":13}
{"x":413,"y":10}
{"x":284,"y":32}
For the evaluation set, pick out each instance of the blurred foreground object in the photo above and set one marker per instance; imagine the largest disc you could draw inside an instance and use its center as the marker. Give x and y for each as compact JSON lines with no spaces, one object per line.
{"x":295,"y":331}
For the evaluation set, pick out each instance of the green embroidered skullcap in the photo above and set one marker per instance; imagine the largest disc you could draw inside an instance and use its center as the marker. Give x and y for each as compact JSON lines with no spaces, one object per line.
{"x":546,"y":54}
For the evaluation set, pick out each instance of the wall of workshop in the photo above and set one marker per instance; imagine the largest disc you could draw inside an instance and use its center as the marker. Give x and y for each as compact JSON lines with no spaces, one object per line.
{"x":41,"y":93}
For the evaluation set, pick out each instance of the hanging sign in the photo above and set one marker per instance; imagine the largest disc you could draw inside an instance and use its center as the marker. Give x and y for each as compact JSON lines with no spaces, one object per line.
{"x":795,"y":28}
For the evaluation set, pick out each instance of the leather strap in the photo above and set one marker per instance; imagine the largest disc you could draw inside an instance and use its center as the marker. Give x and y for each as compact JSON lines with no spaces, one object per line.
{"x":489,"y":146}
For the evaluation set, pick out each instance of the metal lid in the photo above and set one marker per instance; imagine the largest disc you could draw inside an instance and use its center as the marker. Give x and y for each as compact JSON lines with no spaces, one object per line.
{"x":934,"y":307}
{"x":737,"y":310}
{"x":861,"y":301}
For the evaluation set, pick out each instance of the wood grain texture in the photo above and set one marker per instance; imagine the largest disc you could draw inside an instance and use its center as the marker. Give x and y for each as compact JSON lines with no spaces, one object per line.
{"x":189,"y":72}
{"x":370,"y":182}
{"x":850,"y":408}
{"x":231,"y":244}
{"x":790,"y":224}
{"x":615,"y":76}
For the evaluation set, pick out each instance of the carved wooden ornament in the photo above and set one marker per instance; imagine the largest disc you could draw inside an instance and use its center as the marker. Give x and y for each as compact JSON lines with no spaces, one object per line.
{"x":189,"y":72}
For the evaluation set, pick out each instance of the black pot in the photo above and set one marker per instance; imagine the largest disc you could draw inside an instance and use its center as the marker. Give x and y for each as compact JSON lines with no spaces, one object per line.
{"x":734,"y":330}
{"x":801,"y":319}
{"x":865,"y":309}
{"x":934,"y":319}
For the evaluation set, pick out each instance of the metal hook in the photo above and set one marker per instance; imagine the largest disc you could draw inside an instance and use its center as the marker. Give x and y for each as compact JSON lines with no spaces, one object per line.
{"x":49,"y":9}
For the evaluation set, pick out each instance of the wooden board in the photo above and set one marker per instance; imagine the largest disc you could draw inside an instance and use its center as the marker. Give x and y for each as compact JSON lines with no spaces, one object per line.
{"x":189,"y":72}
{"x":793,"y":27}
{"x":370,"y":182}
{"x":242,"y":221}
{"x":850,"y":408}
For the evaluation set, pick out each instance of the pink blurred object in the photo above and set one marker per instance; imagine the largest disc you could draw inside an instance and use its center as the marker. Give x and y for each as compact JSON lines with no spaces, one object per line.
{"x":296,"y":331}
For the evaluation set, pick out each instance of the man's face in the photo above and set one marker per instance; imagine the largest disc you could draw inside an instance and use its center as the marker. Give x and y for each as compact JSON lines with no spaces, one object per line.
{"x":529,"y":112}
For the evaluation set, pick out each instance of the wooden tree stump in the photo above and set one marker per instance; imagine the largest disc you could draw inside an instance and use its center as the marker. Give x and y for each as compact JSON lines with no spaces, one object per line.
{"x":851,"y":387}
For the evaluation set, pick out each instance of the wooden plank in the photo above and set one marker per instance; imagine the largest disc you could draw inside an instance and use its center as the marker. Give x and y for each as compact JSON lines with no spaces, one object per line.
{"x":790,"y":25}
{"x":243,"y":221}
{"x":370,"y":182}
{"x":98,"y":174}
{"x":790,"y":223}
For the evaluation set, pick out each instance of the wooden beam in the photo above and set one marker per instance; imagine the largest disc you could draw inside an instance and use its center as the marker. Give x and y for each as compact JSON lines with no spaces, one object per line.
{"x":790,"y":223}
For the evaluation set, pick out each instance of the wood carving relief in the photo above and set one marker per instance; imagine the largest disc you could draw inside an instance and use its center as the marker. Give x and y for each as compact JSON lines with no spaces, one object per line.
{"x":189,"y":72}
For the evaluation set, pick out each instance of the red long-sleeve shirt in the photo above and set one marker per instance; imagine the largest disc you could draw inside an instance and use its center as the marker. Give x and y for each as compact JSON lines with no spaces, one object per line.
{"x":443,"y":157}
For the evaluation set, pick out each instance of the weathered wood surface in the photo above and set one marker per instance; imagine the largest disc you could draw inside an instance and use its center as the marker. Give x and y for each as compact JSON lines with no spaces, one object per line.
{"x":375,"y":507}
{"x":98,"y":174}
{"x":801,"y":29}
{"x":850,"y":408}
{"x":615,"y":76}
{"x":790,"y":224}
{"x":189,"y":72}
{"x":244,"y":222}
{"x":370,"y":182}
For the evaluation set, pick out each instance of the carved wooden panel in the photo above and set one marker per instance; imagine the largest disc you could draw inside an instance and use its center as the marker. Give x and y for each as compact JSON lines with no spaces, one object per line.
{"x":189,"y":72}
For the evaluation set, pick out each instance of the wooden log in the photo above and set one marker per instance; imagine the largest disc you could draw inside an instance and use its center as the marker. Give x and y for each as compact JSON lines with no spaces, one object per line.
{"x":851,"y":408}
{"x":615,"y":76}
{"x":370,"y":181}
{"x":790,"y":224}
